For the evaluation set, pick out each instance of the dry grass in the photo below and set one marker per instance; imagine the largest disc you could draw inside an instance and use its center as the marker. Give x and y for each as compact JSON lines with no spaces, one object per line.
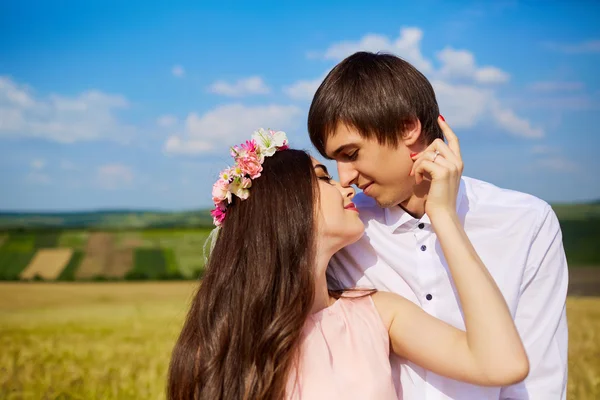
{"x":97,"y":251}
{"x":88,"y":341}
{"x":120,"y":262}
{"x":113,"y":340}
{"x":47,"y":263}
{"x":583,"y":315}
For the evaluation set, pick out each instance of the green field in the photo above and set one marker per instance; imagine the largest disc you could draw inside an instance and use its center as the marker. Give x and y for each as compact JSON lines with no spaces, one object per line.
{"x":113,"y":219}
{"x":151,"y":246}
{"x":157,"y":254}
{"x":12,"y":262}
{"x":113,"y":340}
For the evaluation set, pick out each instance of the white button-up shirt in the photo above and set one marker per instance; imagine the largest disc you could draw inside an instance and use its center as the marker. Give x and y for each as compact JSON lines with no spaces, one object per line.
{"x":517,"y":236}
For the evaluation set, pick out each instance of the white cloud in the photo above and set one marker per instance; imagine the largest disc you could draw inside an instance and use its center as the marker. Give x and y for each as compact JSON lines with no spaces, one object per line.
{"x":465,"y":106}
{"x":555,"y":86}
{"x":407,"y":46}
{"x":462,"y":105}
{"x":550,"y":158}
{"x":543,"y":149}
{"x":38,"y":164}
{"x":558,"y":163}
{"x":88,"y":116}
{"x":228,"y":124}
{"x":113,"y":176}
{"x":67,"y":165}
{"x":460,"y":64}
{"x":559,"y":103}
{"x":491,"y":75}
{"x":178,"y":71}
{"x":462,"y":87}
{"x":243,"y":87}
{"x":36,"y":177}
{"x":587,"y":46}
{"x":513,"y":124}
{"x":303,"y":90}
{"x":176,"y":144}
{"x":11,"y":93}
{"x":166,"y":121}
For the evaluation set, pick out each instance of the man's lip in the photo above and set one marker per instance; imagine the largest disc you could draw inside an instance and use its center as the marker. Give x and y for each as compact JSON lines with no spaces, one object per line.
{"x":365,"y":187}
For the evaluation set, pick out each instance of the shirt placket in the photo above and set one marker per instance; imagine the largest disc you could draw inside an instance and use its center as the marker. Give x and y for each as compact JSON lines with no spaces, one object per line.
{"x":425,"y":263}
{"x":425,"y":251}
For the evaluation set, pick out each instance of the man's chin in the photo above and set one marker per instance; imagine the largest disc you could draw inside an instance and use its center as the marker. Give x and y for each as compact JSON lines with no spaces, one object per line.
{"x":385,"y":203}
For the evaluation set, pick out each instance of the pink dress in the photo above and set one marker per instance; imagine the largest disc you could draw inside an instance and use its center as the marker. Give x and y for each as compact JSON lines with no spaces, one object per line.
{"x":344,"y":355}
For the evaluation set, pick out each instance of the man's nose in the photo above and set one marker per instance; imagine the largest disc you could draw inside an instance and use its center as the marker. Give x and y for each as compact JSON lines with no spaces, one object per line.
{"x":347,"y":174}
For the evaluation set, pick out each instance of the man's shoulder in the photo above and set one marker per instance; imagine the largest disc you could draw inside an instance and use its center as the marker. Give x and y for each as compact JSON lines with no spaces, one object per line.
{"x":485,"y":196}
{"x":483,"y":199}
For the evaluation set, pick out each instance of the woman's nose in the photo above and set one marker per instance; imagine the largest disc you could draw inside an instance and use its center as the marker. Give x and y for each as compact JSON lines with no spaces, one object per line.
{"x":349,"y":191}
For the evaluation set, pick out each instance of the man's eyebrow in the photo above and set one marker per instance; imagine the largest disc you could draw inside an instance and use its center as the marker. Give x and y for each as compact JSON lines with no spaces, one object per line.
{"x":324,"y":168}
{"x":342,"y":148}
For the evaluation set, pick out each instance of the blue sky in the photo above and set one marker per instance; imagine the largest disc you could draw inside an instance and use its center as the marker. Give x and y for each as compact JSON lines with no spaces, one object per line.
{"x":134,"y":104}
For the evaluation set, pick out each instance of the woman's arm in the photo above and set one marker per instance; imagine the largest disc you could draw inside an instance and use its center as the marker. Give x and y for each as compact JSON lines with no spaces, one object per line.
{"x":490,"y":352}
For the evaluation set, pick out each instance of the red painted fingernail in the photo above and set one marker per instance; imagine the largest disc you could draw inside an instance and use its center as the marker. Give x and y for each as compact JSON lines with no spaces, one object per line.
{"x":442,"y":117}
{"x":413,"y":155}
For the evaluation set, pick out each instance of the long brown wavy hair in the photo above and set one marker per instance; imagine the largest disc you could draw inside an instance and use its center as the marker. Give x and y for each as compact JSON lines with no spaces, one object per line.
{"x":241,"y":336}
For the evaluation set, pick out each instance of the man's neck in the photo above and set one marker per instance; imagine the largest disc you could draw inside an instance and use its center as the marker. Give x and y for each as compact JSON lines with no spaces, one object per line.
{"x":415,"y":204}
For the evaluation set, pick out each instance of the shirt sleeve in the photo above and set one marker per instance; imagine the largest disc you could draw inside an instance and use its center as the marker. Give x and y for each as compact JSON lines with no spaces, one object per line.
{"x":541,"y":316}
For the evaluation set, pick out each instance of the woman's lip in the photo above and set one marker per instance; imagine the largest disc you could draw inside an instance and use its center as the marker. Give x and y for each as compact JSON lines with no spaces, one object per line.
{"x":351,"y":206}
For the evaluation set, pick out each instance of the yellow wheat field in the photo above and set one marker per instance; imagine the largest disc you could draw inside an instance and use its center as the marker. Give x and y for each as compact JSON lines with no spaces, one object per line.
{"x":113,"y":340}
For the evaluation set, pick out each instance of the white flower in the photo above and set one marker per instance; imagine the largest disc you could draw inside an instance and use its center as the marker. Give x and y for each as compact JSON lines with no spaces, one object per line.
{"x":269,"y":142}
{"x":279,"y":138}
{"x":239,"y":187}
{"x":263,"y":141}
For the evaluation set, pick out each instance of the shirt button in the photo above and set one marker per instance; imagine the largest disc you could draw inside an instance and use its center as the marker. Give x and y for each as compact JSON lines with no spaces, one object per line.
{"x":421,"y":225}
{"x":423,"y":248}
{"x":429,"y":297}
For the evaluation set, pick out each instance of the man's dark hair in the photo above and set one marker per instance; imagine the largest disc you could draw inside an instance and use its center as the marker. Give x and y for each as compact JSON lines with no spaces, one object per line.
{"x":377,"y":94}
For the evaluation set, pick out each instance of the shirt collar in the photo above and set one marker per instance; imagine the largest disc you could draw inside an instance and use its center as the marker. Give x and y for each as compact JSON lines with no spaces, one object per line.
{"x":395,"y":217}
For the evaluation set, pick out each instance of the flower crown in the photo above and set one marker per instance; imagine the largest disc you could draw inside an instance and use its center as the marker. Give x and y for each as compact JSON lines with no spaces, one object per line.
{"x":249,"y":157}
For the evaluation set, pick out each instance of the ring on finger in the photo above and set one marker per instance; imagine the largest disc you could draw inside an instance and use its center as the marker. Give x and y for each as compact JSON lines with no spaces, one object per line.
{"x":437,"y":153}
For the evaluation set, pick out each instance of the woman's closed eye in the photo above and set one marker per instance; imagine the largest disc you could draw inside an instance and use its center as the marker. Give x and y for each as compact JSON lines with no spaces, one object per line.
{"x":326,"y":178}
{"x":322,"y":173}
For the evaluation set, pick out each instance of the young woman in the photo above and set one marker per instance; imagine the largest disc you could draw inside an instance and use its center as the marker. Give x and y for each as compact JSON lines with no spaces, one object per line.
{"x":263,"y":323}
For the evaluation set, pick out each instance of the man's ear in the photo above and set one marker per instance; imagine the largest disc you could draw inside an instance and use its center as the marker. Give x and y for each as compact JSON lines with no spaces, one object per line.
{"x":412,"y":133}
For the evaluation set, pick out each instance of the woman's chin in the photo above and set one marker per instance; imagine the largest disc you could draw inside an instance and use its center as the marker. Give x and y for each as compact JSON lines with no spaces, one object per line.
{"x":355,"y":238}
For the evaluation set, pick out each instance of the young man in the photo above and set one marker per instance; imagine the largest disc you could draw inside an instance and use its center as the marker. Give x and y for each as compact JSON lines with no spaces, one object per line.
{"x":377,"y":116}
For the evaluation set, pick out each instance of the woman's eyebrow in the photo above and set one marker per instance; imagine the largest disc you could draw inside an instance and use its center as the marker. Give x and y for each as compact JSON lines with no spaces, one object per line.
{"x":324,"y":168}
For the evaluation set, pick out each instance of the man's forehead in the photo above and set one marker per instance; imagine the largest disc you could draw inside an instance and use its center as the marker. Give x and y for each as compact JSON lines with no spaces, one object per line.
{"x":343,"y":136}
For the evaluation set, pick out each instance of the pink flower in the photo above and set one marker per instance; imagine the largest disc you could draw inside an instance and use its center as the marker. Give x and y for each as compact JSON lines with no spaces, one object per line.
{"x":244,"y":149}
{"x":218,"y":215}
{"x":246,"y":183}
{"x":249,"y":146}
{"x":227,"y":174}
{"x":237,"y":180}
{"x":250,"y":165}
{"x":220,"y":191}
